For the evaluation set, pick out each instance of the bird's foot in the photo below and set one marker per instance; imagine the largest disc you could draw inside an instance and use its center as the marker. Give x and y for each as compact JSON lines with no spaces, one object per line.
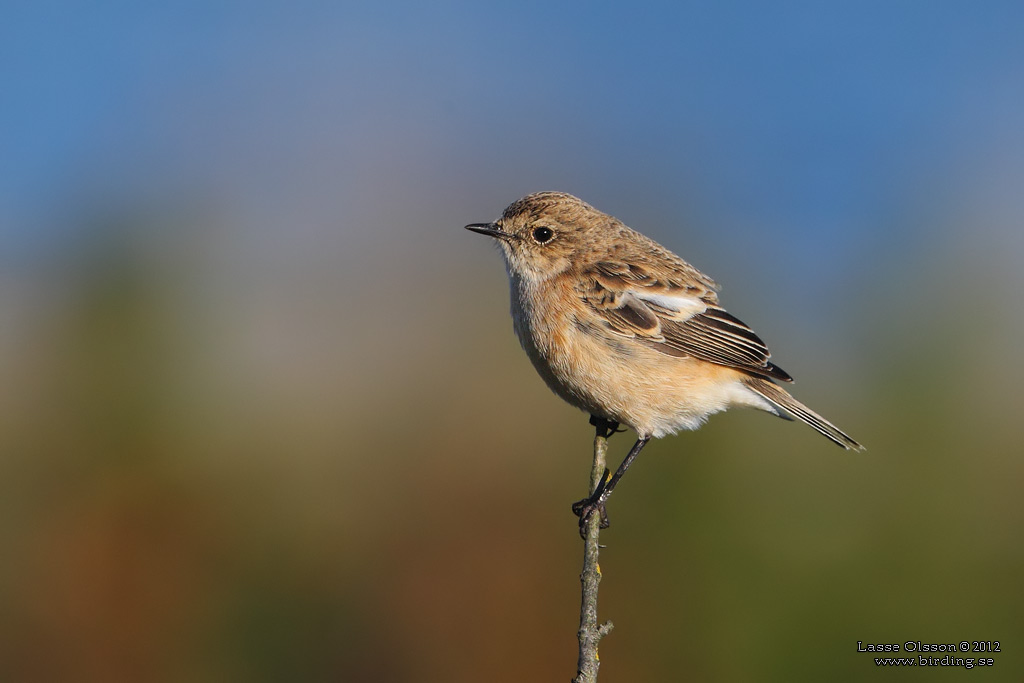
{"x":586,"y":508}
{"x":605,"y":428}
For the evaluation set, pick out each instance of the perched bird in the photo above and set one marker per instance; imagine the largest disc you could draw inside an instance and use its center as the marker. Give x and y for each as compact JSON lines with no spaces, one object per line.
{"x":619,"y":326}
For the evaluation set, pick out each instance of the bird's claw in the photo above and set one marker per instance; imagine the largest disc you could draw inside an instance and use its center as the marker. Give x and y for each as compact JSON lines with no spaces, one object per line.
{"x":585,"y":509}
{"x":605,"y":428}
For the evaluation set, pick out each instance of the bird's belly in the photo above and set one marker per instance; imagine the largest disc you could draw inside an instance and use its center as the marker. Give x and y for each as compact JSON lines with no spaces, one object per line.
{"x":619,"y":379}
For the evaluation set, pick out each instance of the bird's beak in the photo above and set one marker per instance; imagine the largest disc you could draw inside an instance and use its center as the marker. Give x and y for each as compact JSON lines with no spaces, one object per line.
{"x":489,"y":229}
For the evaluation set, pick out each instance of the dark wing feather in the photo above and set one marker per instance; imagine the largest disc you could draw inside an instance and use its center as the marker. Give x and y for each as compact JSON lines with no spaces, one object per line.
{"x":719,"y":337}
{"x":634,"y":304}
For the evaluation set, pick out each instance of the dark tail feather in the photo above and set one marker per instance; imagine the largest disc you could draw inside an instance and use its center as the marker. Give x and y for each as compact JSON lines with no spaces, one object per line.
{"x":788,"y":405}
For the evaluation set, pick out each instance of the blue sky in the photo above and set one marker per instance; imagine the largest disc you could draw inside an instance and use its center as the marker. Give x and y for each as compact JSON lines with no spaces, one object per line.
{"x":813,"y":117}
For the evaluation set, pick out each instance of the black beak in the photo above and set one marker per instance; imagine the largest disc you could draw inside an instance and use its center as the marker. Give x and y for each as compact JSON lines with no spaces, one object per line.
{"x":489,"y":229}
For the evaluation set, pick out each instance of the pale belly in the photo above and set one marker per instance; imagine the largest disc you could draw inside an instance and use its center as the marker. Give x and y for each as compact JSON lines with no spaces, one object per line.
{"x":620,"y":379}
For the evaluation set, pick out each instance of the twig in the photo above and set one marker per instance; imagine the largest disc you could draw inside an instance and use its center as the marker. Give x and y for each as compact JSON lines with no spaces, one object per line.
{"x":590,"y":633}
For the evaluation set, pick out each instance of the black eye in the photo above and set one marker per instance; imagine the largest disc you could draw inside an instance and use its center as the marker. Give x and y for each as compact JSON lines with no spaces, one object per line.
{"x":543,"y":235}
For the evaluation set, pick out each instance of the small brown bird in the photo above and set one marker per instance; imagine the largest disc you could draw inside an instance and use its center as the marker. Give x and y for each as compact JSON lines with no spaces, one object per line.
{"x":619,"y":326}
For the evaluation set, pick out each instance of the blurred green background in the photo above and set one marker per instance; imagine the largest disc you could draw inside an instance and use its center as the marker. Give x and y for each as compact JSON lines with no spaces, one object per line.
{"x":263,"y":417}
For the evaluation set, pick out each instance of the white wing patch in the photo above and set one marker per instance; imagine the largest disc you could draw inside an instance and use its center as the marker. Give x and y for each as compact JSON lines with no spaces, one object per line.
{"x":675,"y":307}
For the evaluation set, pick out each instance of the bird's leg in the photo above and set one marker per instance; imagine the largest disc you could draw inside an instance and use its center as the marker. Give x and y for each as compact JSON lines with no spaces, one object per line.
{"x":595,"y":503}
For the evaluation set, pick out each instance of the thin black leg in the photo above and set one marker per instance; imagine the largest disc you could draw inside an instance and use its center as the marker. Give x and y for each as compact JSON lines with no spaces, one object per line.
{"x":585,"y":508}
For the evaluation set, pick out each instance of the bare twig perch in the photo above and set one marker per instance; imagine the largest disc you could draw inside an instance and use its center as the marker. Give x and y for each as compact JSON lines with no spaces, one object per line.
{"x":590,"y":634}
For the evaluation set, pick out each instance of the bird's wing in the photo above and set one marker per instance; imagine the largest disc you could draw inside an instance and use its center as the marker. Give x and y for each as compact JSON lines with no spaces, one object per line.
{"x":677,"y":319}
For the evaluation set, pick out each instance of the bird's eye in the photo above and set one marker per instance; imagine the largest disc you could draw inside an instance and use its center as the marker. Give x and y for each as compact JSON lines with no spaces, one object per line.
{"x":542,"y":235}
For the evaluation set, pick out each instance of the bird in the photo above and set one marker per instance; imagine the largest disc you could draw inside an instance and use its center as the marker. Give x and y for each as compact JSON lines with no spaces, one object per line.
{"x":622,"y":328}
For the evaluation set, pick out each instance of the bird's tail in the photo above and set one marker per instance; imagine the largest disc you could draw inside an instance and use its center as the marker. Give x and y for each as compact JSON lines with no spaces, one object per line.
{"x":789,"y":406}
